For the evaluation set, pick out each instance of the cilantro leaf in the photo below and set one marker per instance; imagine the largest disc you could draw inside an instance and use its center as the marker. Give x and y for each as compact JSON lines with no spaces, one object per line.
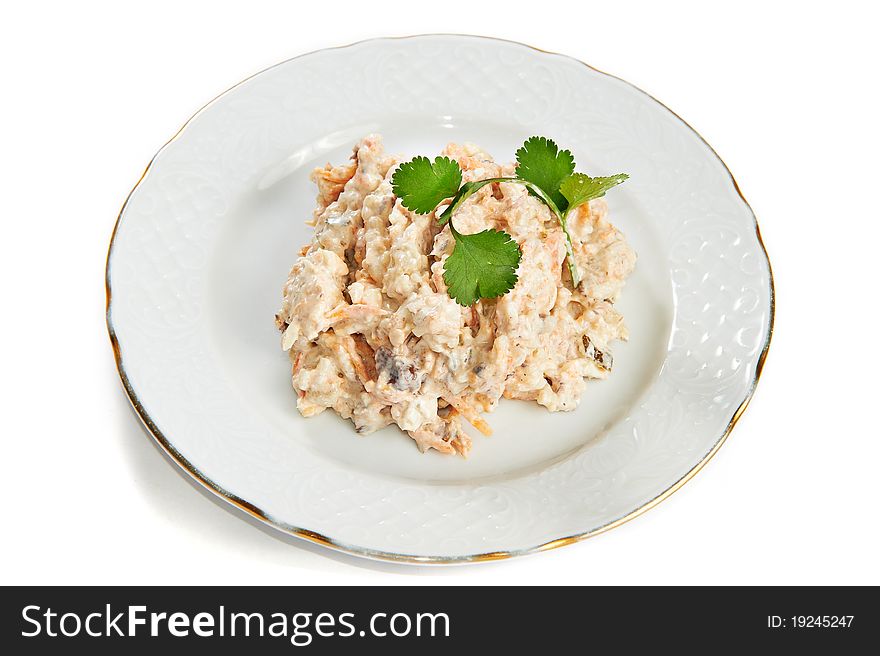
{"x":483,"y":265}
{"x":579,"y":188}
{"x":540,"y":162}
{"x":421,"y":185}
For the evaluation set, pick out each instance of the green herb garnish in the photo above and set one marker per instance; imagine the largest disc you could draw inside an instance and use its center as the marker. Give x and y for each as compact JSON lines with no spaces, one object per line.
{"x":540,"y":162}
{"x":425,"y":184}
{"x":483,"y":265}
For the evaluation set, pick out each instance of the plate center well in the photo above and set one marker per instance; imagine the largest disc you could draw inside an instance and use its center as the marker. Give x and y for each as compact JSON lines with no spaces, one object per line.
{"x":260,"y":239}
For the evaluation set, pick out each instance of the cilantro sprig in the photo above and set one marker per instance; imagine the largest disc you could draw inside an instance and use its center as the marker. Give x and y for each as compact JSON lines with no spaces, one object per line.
{"x":484,"y":265}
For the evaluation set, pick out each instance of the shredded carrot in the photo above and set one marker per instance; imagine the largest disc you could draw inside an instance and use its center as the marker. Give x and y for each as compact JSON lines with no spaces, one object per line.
{"x":470,"y":414}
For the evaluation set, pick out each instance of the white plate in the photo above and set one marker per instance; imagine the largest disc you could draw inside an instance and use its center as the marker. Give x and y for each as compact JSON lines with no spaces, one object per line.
{"x":206,"y":238}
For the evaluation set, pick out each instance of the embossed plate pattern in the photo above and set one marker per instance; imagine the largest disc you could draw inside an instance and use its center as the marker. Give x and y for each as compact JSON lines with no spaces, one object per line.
{"x":203,"y":243}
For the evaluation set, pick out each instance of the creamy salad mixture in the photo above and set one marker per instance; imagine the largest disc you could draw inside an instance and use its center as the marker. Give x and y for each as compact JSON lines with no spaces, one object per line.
{"x":373,"y":334}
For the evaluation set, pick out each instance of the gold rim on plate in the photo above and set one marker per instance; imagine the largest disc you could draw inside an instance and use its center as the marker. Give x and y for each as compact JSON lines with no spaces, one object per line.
{"x":326,"y":541}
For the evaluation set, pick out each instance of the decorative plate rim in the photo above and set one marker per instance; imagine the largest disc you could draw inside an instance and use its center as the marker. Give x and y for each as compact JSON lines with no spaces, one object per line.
{"x":324,"y":540}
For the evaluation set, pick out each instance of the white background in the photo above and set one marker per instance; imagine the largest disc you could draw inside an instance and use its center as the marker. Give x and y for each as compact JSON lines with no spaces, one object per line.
{"x":785,"y":92}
